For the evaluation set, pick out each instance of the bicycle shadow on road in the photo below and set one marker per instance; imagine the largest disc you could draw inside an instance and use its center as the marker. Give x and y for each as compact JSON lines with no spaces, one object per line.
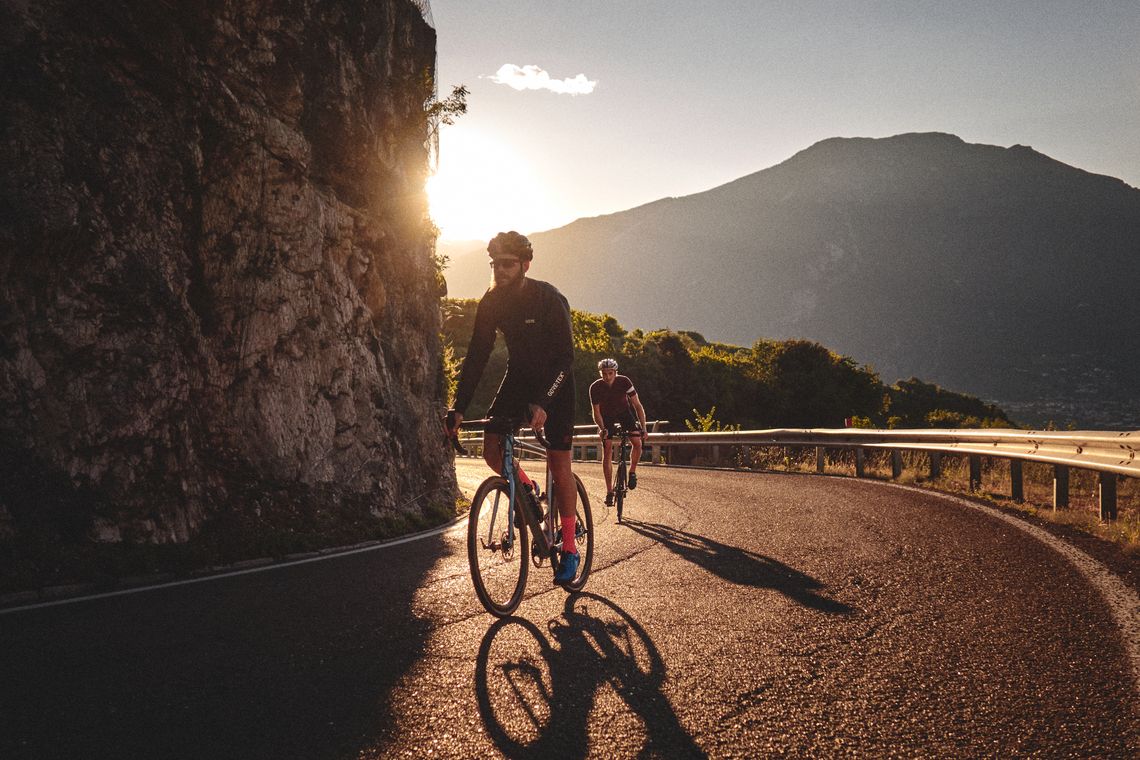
{"x":741,"y":566}
{"x":536,"y":691}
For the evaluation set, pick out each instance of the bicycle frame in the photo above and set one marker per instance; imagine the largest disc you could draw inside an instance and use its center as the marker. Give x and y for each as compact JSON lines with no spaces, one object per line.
{"x":545,"y":542}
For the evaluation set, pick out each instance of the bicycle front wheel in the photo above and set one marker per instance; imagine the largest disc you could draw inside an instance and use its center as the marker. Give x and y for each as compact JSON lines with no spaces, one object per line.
{"x":499,"y":553}
{"x":620,"y":489}
{"x":584,"y":537}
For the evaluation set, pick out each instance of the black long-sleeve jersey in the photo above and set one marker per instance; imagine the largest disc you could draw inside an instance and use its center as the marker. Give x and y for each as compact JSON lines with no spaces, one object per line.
{"x":535,"y":321}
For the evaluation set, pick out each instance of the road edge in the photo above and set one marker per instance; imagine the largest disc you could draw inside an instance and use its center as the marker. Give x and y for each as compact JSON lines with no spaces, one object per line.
{"x":74,"y":594}
{"x":1123,"y":602}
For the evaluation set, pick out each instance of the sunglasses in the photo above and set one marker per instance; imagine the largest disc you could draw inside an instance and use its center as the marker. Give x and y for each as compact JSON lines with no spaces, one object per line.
{"x":504,"y":263}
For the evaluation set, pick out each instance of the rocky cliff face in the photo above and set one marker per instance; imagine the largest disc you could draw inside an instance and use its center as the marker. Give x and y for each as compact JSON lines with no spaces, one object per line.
{"x":216,"y":283}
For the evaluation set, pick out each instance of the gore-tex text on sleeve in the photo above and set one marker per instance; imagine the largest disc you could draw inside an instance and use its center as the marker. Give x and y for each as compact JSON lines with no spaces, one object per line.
{"x":562,"y":347}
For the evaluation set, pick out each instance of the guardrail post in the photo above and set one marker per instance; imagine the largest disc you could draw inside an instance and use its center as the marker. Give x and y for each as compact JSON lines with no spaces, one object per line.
{"x":820,"y":456}
{"x":1060,"y":487}
{"x":715,"y":455}
{"x":935,"y":464}
{"x":860,"y":461}
{"x":655,"y":451}
{"x":896,"y":464}
{"x":975,"y":473}
{"x":1108,"y":496}
{"x":1016,"y":485}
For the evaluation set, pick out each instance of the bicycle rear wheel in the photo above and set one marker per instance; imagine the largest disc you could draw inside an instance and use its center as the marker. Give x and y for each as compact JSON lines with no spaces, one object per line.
{"x":499,"y":554}
{"x":584,"y":535}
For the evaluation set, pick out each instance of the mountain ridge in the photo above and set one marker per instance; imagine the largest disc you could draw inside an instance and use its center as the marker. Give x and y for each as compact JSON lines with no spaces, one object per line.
{"x":1000,"y":272}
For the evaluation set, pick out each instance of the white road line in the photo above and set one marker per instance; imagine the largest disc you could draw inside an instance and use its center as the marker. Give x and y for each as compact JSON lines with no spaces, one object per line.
{"x":247,"y":571}
{"x":467,"y":485}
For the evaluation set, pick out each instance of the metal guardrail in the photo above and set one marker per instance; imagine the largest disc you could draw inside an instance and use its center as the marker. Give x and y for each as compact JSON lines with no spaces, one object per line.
{"x":1111,"y":454}
{"x":1102,"y":451}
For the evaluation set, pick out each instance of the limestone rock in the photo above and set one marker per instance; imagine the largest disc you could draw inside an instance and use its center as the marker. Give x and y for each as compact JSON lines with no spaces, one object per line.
{"x":216,"y":283}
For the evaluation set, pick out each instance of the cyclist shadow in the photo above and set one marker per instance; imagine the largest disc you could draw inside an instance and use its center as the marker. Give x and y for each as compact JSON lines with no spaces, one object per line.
{"x":742,"y":567}
{"x":536,"y":692}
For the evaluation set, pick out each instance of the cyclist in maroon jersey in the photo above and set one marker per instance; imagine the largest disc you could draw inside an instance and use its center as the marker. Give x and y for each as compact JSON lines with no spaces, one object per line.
{"x":615,"y":400}
{"x":538,"y":388}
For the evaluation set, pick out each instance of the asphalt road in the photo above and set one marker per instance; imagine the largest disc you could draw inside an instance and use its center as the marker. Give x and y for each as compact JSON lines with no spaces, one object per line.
{"x":736,"y":615}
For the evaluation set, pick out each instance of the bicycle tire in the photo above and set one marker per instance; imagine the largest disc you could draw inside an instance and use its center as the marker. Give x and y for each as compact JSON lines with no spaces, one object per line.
{"x":585,"y":518}
{"x":499,"y":576}
{"x":620,"y":488}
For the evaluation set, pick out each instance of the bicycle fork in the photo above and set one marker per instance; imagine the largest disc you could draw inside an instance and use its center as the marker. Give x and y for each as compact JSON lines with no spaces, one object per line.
{"x":506,"y":542}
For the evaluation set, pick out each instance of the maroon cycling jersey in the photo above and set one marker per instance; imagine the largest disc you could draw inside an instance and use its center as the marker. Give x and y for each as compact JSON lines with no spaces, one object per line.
{"x":613,"y":399}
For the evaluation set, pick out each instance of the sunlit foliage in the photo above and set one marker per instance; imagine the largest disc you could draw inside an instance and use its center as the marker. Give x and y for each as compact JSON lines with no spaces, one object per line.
{"x":707,"y":423}
{"x":792,"y":383}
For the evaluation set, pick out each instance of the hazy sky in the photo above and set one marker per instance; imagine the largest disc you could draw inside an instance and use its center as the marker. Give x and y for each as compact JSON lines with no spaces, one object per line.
{"x":639,"y":100}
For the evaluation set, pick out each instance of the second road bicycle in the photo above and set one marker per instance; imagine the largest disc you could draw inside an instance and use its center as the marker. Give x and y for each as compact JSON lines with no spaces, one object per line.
{"x":621,"y":483}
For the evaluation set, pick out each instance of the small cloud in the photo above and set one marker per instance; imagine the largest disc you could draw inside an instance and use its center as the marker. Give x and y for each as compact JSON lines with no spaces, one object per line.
{"x":534,"y":78}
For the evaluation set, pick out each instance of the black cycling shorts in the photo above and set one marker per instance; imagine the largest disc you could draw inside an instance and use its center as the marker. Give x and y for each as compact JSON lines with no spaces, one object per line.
{"x":627,"y":421}
{"x":511,"y":410}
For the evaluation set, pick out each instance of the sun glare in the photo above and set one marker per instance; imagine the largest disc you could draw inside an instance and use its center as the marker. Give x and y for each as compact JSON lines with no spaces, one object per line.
{"x":482,"y":187}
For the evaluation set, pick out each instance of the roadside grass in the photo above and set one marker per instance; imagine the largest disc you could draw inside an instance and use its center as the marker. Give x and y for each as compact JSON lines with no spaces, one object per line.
{"x":1082,"y":514}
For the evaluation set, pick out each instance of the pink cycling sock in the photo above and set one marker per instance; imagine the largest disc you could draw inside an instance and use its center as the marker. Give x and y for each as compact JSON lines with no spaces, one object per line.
{"x":568,"y":544}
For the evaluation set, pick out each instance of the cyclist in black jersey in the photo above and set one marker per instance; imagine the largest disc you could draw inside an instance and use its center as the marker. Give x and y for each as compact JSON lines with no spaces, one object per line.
{"x":538,"y":388}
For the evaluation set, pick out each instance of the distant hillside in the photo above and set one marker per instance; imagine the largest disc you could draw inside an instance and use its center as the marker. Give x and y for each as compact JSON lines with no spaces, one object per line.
{"x":998,"y":271}
{"x":681,"y":377}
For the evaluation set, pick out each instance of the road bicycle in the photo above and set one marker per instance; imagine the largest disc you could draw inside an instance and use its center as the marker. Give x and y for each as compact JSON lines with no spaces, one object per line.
{"x":621,"y":483}
{"x":508,"y":530}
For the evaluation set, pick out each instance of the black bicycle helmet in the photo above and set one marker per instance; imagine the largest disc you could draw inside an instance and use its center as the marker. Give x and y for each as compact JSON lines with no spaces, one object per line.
{"x":510,"y":244}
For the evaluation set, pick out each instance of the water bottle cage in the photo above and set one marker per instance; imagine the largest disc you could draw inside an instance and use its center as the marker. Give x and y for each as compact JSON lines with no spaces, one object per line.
{"x":533,"y":499}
